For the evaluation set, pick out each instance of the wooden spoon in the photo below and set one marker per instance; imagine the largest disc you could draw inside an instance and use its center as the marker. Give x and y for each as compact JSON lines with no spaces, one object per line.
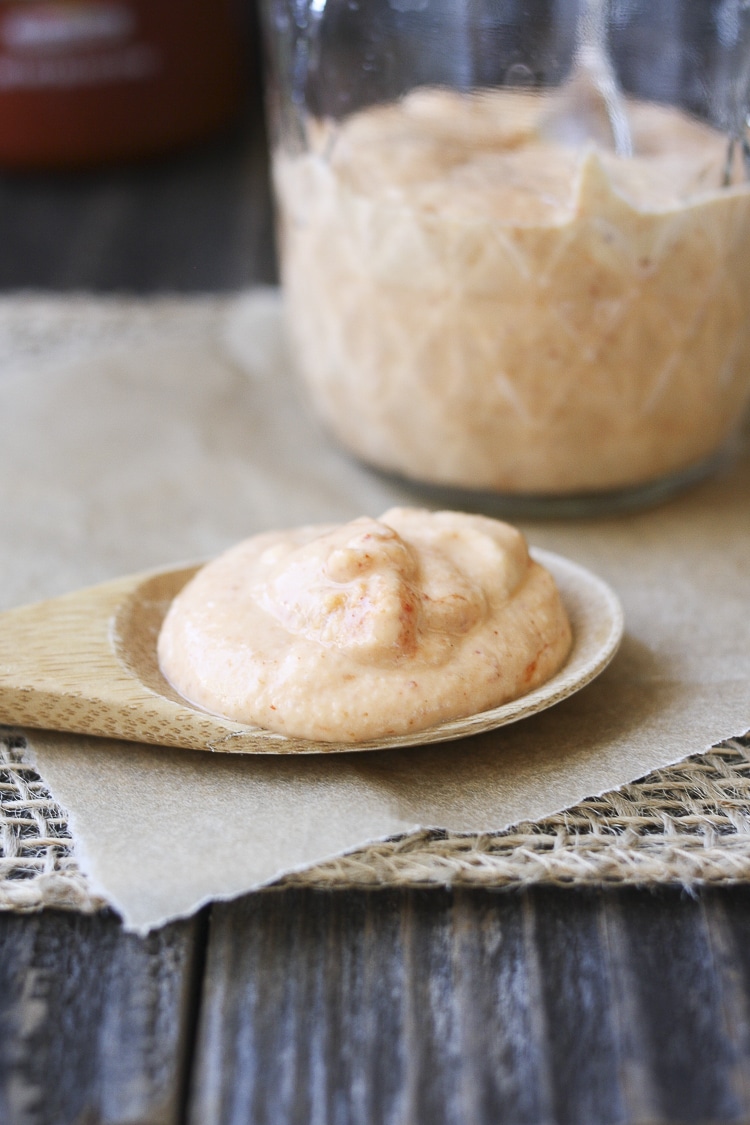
{"x":86,"y":662}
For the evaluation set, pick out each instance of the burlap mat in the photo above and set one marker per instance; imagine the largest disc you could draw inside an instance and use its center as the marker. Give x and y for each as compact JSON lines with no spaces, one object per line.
{"x":687,"y":824}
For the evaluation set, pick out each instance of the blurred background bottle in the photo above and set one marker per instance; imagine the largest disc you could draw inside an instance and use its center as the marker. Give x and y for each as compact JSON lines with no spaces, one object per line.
{"x":84,"y":82}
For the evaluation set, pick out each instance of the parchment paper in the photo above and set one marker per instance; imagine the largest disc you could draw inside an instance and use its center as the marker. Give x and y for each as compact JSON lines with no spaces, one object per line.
{"x":140,"y":434}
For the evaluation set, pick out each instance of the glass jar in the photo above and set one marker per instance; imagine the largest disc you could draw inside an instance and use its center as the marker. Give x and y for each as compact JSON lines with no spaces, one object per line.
{"x":515,"y":237}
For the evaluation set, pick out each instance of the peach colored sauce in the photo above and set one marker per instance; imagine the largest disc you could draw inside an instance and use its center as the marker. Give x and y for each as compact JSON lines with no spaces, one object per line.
{"x":370,"y":629}
{"x":472,"y":303}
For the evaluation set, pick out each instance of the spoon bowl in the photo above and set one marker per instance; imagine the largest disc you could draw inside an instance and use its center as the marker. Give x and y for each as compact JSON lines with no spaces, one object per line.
{"x":86,"y":663}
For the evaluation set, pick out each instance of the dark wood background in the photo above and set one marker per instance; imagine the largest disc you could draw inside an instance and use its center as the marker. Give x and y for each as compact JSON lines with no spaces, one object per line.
{"x":431,"y":1007}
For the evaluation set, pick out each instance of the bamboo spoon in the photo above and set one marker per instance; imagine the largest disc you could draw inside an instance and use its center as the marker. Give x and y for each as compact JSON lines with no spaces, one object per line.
{"x":86,"y":662}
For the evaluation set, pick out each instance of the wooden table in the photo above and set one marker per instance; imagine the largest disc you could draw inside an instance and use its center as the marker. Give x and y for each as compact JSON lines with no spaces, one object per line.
{"x":465,"y":1007}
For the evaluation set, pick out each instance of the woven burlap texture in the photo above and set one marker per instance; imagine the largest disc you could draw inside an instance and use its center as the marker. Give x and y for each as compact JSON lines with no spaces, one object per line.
{"x":687,"y":824}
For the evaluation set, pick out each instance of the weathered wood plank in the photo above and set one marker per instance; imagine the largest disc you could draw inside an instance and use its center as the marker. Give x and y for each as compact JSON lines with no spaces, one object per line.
{"x":727,"y":914}
{"x":679,"y":1058}
{"x":553,"y":1007}
{"x":392,"y":1007}
{"x":505,"y":1075}
{"x":268,"y":1020}
{"x":95,"y":1024}
{"x":580,"y":1044}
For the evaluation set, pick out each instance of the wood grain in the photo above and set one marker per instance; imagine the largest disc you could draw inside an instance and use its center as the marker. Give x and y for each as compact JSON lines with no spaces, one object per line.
{"x":680,"y":1057}
{"x":61,"y":668}
{"x":95,"y":1024}
{"x":551,"y":1007}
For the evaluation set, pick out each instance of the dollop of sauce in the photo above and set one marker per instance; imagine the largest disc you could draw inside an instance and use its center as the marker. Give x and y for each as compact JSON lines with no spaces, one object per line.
{"x":368,"y":629}
{"x":558,"y":318}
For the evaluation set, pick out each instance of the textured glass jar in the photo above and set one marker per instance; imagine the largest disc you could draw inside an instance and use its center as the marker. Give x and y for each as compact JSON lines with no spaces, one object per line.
{"x":515,"y":237}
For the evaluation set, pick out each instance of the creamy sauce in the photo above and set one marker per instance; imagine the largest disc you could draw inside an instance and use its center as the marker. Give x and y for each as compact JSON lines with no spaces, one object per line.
{"x":474,"y":303}
{"x":373,"y":628}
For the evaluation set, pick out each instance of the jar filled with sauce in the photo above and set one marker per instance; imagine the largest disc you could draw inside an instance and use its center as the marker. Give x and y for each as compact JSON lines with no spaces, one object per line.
{"x":89,"y":81}
{"x":515,"y":238}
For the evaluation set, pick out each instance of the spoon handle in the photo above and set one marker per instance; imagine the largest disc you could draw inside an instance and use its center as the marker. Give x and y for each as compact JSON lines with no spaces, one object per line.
{"x":592,"y":59}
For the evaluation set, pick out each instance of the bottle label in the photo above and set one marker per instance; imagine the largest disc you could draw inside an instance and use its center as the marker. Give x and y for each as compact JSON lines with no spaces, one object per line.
{"x":67,"y":45}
